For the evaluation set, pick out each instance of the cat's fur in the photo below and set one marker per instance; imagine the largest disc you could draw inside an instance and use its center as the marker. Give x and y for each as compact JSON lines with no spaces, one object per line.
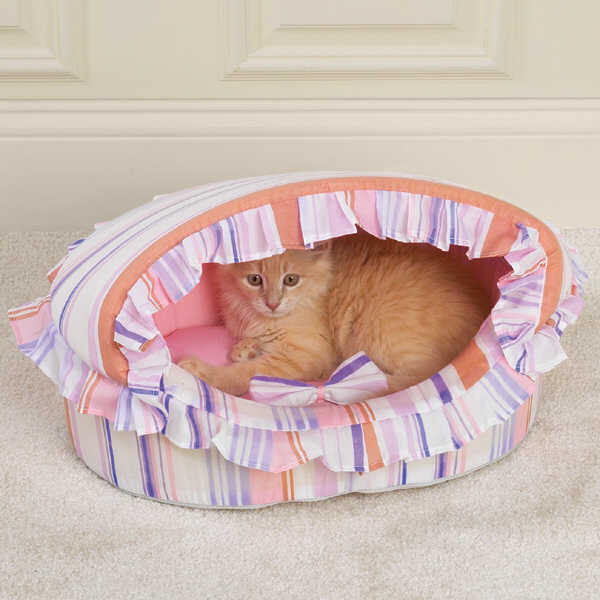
{"x":410,"y":307}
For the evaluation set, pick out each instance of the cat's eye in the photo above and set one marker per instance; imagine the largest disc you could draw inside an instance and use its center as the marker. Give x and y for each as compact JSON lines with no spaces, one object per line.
{"x":291,"y":279}
{"x":254,"y":279}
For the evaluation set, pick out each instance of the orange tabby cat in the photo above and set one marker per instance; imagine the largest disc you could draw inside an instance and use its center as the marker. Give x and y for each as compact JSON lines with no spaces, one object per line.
{"x":277,"y":309}
{"x":410,"y":307}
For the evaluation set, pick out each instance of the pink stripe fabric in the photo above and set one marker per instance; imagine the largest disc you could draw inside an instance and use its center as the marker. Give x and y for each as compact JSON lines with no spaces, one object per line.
{"x":159,"y":470}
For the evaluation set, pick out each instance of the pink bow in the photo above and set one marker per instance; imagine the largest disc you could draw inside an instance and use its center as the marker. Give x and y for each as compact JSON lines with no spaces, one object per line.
{"x":357,"y":378}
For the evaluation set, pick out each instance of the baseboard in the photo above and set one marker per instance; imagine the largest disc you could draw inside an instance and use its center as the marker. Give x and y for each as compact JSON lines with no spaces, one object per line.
{"x":68,"y":164}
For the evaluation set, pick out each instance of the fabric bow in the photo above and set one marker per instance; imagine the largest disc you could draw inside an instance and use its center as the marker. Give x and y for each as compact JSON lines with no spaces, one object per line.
{"x":356,"y":379}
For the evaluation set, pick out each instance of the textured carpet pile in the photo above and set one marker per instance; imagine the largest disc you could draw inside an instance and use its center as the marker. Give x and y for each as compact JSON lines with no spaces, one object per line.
{"x":526,"y":527}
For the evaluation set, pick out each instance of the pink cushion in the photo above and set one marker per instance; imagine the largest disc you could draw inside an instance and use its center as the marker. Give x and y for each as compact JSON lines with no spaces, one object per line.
{"x":210,"y":343}
{"x":199,"y":307}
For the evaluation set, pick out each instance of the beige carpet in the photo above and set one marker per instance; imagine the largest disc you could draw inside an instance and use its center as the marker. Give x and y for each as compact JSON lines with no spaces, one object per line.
{"x":527,"y":527}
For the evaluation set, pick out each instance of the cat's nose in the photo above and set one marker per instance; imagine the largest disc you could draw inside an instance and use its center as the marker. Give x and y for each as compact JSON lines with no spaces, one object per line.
{"x":273,"y":305}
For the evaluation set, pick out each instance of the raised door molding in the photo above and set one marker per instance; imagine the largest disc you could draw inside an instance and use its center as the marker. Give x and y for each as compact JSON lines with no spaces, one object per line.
{"x":297,"y":119}
{"x":42,"y":40}
{"x":284,"y":39}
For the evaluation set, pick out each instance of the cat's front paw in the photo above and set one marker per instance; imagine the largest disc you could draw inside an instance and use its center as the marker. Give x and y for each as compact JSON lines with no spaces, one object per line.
{"x":245,"y":349}
{"x":226,"y":379}
{"x":198,"y":369}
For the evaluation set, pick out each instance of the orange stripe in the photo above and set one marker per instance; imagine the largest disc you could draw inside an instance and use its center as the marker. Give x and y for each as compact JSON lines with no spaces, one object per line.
{"x":363,"y":411}
{"x":52,"y":274}
{"x":284,"y":491}
{"x":471,"y":364}
{"x":301,"y":447}
{"x":350,"y":414}
{"x":372,"y":446}
{"x":85,"y":386}
{"x":499,"y":238}
{"x":153,"y":291}
{"x":19,"y":313}
{"x":292,"y":496}
{"x":283,"y":200}
{"x":145,"y":277}
{"x":69,"y":423}
{"x":290,"y":437}
{"x":370,"y":410}
{"x":89,"y":381}
{"x":90,"y":393}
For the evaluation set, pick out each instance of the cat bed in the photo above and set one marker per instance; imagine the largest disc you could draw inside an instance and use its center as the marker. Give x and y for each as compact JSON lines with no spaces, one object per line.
{"x":129,"y":301}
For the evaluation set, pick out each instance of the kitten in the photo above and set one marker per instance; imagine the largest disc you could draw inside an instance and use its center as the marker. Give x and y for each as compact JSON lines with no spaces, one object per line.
{"x":410,"y":307}
{"x":277,"y":309}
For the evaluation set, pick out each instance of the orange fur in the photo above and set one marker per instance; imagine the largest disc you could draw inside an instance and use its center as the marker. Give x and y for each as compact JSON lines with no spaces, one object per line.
{"x":410,"y":307}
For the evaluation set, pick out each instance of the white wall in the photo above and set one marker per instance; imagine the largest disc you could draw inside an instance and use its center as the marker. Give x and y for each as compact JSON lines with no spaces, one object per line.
{"x":105,"y":103}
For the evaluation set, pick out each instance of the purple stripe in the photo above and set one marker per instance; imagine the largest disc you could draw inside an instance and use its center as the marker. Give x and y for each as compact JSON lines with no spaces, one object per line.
{"x":146,"y":466}
{"x":519,"y":366}
{"x":193,"y":425}
{"x":501,"y":392}
{"x":119,"y":328}
{"x":441,"y":464}
{"x":350,"y":368}
{"x":235,"y":438}
{"x":275,"y":413}
{"x":49,"y":339}
{"x":230,"y":469}
{"x":110,"y":452}
{"x":298,"y":420}
{"x":312,"y":417}
{"x":254,"y":447}
{"x":357,"y":443}
{"x":435,"y":214}
{"x":509,"y":382}
{"x":28,"y":347}
{"x":165,"y":278}
{"x":442,"y":388}
{"x":217,"y":229}
{"x":423,"y":436}
{"x":520,"y":302}
{"x":232,"y":232}
{"x":452,"y":222}
{"x":245,"y":485}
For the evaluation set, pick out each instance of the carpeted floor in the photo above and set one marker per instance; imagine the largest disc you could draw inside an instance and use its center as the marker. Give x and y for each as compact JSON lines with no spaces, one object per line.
{"x":527,"y":527}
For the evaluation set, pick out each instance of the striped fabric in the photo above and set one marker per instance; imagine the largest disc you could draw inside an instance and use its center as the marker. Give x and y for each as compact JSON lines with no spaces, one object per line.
{"x":418,"y":218}
{"x":164,"y":411}
{"x":325,"y":216}
{"x":154,"y":467}
{"x":356,"y":379}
